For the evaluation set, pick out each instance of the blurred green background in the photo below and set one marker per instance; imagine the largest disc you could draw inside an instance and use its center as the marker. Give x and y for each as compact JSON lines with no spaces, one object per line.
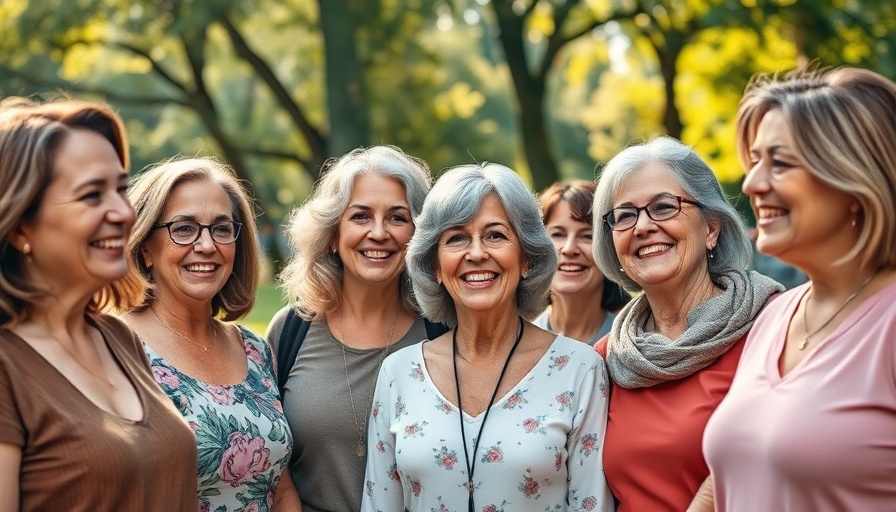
{"x":551,"y":88}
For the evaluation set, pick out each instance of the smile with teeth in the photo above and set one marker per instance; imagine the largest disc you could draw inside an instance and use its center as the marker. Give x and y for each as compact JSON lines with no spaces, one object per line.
{"x":767,"y":212}
{"x":571,"y":267}
{"x":478,"y":277}
{"x":109,"y":243}
{"x":653,"y":249}
{"x":200,"y":267}
{"x":376,"y":255}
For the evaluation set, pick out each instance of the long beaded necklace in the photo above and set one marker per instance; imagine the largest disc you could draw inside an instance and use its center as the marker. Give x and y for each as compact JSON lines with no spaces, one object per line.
{"x":471,"y":466}
{"x":849,"y":299}
{"x":173,"y":331}
{"x":361,"y":448}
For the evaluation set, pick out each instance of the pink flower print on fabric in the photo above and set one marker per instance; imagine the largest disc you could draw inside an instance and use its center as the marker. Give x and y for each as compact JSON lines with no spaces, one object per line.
{"x":535,"y":425}
{"x":375,"y":412}
{"x":400,"y":408}
{"x":165,"y":377}
{"x":414,"y":430}
{"x":416,"y":487}
{"x":565,"y":399}
{"x":444,"y":458}
{"x":254,"y":354}
{"x":220,"y":395}
{"x":558,"y":363}
{"x":589,"y":503}
{"x":393,"y":472}
{"x":515,"y":400}
{"x":495,"y":508}
{"x":493,"y":454}
{"x":529,"y":487}
{"x":587,"y":444}
{"x":252,"y":507}
{"x":204,"y":505}
{"x":558,"y":459}
{"x":381,"y":447}
{"x":417,"y":372}
{"x":244,"y":459}
{"x":444,"y":406}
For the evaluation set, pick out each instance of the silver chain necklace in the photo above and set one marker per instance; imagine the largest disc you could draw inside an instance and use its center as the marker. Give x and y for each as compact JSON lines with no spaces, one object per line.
{"x":361,"y":448}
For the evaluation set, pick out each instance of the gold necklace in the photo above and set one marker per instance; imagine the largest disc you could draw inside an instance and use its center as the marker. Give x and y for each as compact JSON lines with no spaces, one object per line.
{"x":361,"y":448}
{"x":849,"y":299}
{"x":104,"y":378}
{"x":181,"y":336}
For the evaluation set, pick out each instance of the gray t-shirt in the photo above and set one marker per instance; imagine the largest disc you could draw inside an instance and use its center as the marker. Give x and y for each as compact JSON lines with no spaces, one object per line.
{"x":328,"y":474}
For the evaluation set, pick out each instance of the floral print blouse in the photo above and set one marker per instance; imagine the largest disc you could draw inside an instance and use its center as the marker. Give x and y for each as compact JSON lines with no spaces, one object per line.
{"x":243,"y":439}
{"x":541,"y":447}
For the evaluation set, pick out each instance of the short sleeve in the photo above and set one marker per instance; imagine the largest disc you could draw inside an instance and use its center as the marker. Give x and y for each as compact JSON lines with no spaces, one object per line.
{"x":12,"y":428}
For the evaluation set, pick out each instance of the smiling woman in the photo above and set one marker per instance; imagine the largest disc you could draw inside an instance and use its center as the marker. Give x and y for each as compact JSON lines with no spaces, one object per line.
{"x":498,"y":411}
{"x":663,"y":225}
{"x":350,"y":295}
{"x":82,"y":424}
{"x":194,"y":257}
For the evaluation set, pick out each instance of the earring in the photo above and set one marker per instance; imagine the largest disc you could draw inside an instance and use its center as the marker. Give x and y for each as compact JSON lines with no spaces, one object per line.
{"x":26,"y":247}
{"x":853,"y":222}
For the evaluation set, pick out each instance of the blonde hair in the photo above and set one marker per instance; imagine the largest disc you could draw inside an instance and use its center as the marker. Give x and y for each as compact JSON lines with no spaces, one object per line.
{"x":843,"y":125}
{"x":149,"y":193}
{"x":30,"y":134}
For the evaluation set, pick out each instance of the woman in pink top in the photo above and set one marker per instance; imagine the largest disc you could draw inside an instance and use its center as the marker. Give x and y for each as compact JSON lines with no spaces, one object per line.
{"x":810,"y":420}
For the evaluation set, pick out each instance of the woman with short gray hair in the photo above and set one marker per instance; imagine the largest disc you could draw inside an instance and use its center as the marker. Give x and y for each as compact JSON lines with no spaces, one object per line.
{"x":664,"y":227}
{"x":497,"y":412}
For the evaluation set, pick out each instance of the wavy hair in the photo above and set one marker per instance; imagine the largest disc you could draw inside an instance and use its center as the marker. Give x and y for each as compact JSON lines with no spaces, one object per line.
{"x":312,"y":277}
{"x":149,"y":193}
{"x":453,"y":201}
{"x":30,"y":134}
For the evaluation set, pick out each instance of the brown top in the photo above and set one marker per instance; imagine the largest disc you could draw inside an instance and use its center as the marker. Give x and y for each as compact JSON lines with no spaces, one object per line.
{"x":78,"y":457}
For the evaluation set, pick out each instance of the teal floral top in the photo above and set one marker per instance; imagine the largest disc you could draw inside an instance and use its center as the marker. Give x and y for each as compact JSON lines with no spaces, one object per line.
{"x":243,"y":439}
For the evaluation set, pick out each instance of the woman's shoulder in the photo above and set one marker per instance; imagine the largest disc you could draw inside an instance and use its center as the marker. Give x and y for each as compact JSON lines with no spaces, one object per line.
{"x":576,"y":351}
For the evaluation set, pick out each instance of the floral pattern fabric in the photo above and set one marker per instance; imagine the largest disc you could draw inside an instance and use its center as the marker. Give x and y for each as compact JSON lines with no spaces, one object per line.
{"x":241,"y":432}
{"x":541,"y":447}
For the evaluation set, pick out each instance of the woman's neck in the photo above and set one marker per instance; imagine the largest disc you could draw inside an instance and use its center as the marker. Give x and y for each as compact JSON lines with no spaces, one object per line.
{"x":578,"y":316}
{"x":486,"y":333}
{"x":669,"y":309}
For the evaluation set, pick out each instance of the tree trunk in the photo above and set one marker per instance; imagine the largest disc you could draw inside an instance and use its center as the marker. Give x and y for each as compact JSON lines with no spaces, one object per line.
{"x":349,"y":123}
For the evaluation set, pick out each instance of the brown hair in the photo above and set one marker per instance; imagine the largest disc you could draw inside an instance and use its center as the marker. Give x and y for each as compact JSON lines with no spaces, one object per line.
{"x":30,"y":134}
{"x":149,"y":193}
{"x":843,"y":124}
{"x":579,"y":194}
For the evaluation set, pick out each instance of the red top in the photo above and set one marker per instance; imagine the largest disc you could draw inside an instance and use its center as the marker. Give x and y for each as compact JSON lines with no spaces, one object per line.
{"x":653,"y":456}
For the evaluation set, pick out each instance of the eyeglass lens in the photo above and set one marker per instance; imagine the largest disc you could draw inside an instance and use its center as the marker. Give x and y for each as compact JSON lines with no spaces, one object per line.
{"x":663,"y":207}
{"x":186,"y":232}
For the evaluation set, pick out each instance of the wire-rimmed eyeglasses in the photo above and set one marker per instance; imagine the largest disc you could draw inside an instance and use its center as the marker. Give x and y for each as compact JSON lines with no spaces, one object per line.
{"x":662,"y":207}
{"x":186,"y":232}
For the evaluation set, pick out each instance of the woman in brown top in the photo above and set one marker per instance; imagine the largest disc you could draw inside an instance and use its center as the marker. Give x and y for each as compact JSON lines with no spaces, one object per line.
{"x":82,"y":424}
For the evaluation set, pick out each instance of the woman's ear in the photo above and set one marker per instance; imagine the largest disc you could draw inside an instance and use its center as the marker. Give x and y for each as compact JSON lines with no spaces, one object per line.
{"x":147,"y":258}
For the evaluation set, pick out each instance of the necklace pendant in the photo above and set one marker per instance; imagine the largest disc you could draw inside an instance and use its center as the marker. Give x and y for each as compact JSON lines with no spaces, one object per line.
{"x":802,"y":345}
{"x":470,"y":486}
{"x":360,"y":450}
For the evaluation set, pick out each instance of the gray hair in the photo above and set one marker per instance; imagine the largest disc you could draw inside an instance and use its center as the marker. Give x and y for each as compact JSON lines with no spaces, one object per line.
{"x":312,"y":277}
{"x":733,"y":248}
{"x":454,"y":200}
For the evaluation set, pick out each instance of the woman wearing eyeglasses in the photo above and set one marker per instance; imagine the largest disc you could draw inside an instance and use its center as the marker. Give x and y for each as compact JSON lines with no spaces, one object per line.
{"x":664,"y":227}
{"x":194,"y":268}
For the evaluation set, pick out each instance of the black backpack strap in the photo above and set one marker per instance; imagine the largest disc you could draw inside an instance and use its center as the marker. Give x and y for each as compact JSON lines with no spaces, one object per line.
{"x":434,"y":330}
{"x":291,"y":337}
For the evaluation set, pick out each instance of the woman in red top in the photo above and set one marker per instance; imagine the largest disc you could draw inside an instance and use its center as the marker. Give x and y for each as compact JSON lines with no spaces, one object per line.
{"x":664,"y":227}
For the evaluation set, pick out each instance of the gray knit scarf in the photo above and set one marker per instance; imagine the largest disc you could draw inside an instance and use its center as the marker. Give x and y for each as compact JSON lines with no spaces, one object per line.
{"x":638,"y":359}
